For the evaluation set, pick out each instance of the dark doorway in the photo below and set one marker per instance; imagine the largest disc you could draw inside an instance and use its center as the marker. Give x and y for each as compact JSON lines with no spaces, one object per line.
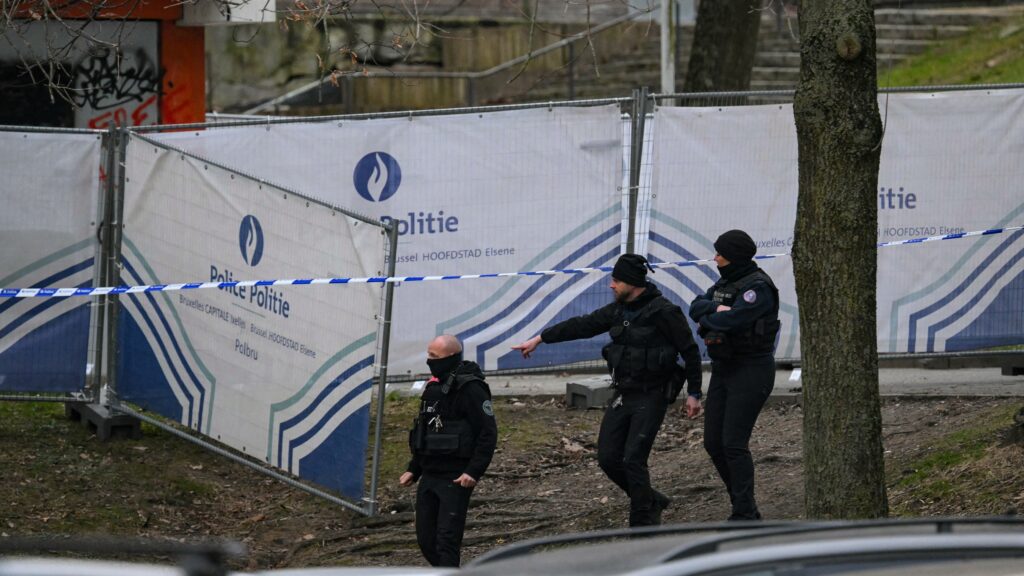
{"x":24,"y":103}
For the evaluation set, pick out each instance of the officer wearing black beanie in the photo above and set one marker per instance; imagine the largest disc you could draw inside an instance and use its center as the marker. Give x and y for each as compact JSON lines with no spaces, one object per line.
{"x":738,"y":318}
{"x":648,"y":334}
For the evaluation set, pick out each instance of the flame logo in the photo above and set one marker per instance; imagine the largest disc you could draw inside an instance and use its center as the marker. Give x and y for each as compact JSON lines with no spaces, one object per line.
{"x":250,"y":240}
{"x":377,"y":176}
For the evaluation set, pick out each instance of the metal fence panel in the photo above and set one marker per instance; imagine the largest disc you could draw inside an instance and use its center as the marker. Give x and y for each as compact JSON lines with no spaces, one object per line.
{"x":48,"y":228}
{"x":283,"y":373}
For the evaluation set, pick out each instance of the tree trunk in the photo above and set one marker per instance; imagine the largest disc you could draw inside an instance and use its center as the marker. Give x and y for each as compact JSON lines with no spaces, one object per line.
{"x":839,"y":135}
{"x":724,"y":45}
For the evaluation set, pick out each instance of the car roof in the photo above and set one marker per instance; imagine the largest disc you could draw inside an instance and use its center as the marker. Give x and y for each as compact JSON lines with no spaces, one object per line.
{"x":81,"y":567}
{"x":695,"y":549}
{"x":356,"y":571}
{"x":913,"y":553}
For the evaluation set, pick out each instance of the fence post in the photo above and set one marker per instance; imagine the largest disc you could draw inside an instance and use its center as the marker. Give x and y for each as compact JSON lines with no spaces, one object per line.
{"x":113,"y":351}
{"x":572,"y":71}
{"x":385,"y":345}
{"x":348,"y":94}
{"x":471,"y":91}
{"x":639,"y":114}
{"x":105,"y":232}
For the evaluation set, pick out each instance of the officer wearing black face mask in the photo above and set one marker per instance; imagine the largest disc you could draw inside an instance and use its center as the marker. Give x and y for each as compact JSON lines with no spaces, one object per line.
{"x":739,"y":320}
{"x":648,"y":334}
{"x":452,"y":442}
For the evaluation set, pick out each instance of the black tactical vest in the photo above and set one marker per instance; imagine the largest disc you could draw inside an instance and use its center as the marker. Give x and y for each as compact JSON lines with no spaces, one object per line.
{"x":759,"y":338}
{"x":639,"y":355}
{"x":440,"y":428}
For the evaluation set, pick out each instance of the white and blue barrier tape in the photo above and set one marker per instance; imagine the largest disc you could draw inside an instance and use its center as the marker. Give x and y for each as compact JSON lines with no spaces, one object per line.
{"x":68,"y":292}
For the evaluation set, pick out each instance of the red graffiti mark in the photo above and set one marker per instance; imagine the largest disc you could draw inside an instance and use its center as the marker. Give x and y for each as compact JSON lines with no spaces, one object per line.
{"x":176,"y":101}
{"x":107,"y":119}
{"x":119,"y":116}
{"x":140,"y":114}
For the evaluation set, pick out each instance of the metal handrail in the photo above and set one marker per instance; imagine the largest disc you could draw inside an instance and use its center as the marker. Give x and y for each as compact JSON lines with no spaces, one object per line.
{"x":270,"y":104}
{"x":791,"y":91}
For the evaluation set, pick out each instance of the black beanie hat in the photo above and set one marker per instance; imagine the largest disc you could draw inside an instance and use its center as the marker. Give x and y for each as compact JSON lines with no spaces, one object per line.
{"x":631,"y":269}
{"x":736,"y":246}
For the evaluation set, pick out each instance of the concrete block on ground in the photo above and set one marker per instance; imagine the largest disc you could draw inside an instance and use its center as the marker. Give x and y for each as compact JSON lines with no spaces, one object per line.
{"x":589,"y":393}
{"x":105,"y":424}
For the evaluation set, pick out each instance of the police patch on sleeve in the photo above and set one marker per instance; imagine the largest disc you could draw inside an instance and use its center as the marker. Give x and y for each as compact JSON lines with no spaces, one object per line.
{"x":488,"y":409}
{"x":750,"y":296}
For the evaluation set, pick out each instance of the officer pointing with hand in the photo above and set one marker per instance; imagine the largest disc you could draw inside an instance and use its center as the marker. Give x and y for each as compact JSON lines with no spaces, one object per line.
{"x":648,"y":334}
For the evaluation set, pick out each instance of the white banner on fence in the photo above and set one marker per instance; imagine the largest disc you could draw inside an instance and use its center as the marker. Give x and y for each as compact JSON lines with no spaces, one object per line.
{"x":950,"y":163}
{"x":50,"y":193}
{"x":281,"y":373}
{"x":506,"y":191}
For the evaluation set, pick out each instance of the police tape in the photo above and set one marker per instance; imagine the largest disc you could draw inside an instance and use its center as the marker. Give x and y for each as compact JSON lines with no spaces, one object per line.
{"x":69,"y":292}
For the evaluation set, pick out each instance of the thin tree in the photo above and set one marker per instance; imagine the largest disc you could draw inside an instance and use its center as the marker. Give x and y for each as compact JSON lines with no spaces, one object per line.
{"x":839,"y":134}
{"x":724,"y":46}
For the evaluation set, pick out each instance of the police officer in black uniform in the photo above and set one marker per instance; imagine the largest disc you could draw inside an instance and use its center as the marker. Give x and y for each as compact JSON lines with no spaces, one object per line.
{"x":648,"y":334}
{"x":452,"y":442}
{"x":739,"y":320}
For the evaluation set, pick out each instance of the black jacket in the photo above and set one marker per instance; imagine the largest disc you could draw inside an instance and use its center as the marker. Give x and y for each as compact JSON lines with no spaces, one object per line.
{"x":472,"y":402}
{"x":671,"y":323}
{"x":759,"y":301}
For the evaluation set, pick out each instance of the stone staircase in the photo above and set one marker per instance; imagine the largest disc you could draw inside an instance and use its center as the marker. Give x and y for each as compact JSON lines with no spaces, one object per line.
{"x":901,"y":33}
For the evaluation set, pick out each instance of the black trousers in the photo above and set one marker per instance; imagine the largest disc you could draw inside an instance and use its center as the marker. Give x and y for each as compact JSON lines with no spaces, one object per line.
{"x":624,"y":444}
{"x":736,"y":394}
{"x":441,"y":507}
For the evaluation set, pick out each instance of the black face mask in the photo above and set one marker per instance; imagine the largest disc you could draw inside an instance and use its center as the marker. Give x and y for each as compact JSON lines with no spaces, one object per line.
{"x":441,"y":367}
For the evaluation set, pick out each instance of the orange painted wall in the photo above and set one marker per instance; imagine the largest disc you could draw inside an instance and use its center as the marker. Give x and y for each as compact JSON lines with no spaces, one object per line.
{"x":184,"y":83}
{"x":107,"y":9}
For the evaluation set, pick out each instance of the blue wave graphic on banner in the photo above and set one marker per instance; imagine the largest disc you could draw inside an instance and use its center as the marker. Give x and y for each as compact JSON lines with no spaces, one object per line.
{"x":565,"y":352}
{"x":51,"y":358}
{"x":338,"y":463}
{"x":545,"y":302}
{"x":1000,"y":325}
{"x":178,"y":353}
{"x":36,"y":311}
{"x":320,"y":397}
{"x":1003,"y":271}
{"x":140,"y":378}
{"x":529,"y":292}
{"x":920,"y":314}
{"x":53,"y":280}
{"x":682,"y":254}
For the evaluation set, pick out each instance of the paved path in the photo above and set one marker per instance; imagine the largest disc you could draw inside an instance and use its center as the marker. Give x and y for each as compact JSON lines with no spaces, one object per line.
{"x":892,"y":382}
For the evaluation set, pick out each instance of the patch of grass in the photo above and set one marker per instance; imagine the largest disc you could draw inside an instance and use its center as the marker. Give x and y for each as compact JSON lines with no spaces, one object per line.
{"x":190,"y":487}
{"x":519,"y":430}
{"x":955,"y":449}
{"x":398,"y":415}
{"x":956,"y":473}
{"x":31,"y":414}
{"x":98,"y":519}
{"x":992,"y":54}
{"x":1010,"y":348}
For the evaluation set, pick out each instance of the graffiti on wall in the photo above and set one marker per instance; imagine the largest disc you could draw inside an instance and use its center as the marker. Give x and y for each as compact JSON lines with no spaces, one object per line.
{"x":115,"y":71}
{"x":112,"y":88}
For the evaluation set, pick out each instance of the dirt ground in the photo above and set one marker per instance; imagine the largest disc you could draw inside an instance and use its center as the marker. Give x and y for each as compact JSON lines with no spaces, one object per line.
{"x":57,"y":478}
